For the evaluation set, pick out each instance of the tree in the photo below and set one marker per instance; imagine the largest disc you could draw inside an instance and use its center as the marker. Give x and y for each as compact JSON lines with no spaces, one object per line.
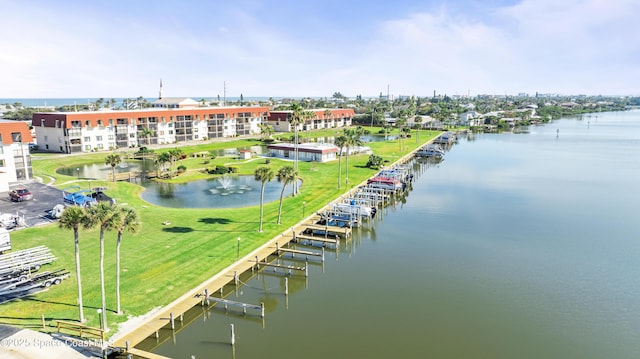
{"x":161,"y":159}
{"x":147,"y":133}
{"x":72,"y":218}
{"x":130,"y":222}
{"x":353,"y":139}
{"x":418,"y":121}
{"x":175,"y":154}
{"x":263,"y":174}
{"x":340,"y":142}
{"x":106,"y":216}
{"x":298,"y":116}
{"x":286,"y":175}
{"x":113,"y":160}
{"x":266,"y":131}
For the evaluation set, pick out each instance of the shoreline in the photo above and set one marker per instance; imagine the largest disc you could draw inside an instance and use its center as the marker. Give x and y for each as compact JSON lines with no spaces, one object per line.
{"x":129,"y":332}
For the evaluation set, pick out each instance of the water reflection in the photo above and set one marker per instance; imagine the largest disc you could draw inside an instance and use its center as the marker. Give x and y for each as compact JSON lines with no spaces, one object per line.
{"x":224,"y":192}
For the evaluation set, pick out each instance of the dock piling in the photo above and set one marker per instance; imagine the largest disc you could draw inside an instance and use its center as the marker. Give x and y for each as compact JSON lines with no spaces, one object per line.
{"x":173,"y":327}
{"x":286,"y":286}
{"x":233,"y":335}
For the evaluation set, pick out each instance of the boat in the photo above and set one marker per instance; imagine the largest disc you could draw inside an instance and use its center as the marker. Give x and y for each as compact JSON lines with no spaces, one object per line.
{"x":446,"y":138}
{"x":353,"y":208}
{"x":430,"y":151}
{"x":75,"y":196}
{"x":386,"y":183}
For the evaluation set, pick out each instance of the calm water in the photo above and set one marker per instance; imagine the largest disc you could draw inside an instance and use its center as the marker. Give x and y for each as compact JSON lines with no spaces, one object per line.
{"x":516,"y":246}
{"x":239,"y":191}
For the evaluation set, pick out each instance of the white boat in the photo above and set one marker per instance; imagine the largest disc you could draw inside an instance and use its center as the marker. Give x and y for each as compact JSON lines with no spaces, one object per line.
{"x":354,"y":209}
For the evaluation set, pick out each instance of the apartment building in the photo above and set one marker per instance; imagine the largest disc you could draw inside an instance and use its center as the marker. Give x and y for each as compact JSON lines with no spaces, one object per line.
{"x":89,"y":131}
{"x":15,"y":160}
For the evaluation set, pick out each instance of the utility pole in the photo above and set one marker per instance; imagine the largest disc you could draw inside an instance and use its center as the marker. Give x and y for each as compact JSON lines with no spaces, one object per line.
{"x":224,"y":93}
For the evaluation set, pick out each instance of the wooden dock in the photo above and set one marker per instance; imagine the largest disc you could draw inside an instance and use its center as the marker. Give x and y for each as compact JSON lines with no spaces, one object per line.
{"x":145,"y":354}
{"x":158,"y":320}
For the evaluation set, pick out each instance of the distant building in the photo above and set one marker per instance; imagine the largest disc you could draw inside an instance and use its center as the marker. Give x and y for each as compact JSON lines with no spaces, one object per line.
{"x":318,"y":152}
{"x":324,"y":118}
{"x":15,"y":159}
{"x":71,"y":132}
{"x":175,"y":102}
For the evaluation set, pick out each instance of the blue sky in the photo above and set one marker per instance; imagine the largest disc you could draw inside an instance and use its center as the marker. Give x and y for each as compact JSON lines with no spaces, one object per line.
{"x":276,"y":48}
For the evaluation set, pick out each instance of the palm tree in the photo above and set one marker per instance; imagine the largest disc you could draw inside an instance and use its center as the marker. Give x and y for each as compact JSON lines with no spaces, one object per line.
{"x":263,"y":174}
{"x":327,"y":115}
{"x":107,"y":216}
{"x":340,"y":141}
{"x":129,"y":221}
{"x":298,"y":116}
{"x":418,"y":122}
{"x":72,"y":218}
{"x":147,"y":133}
{"x":113,"y":160}
{"x":161,"y":159}
{"x":353,"y":139}
{"x":175,"y":154}
{"x":285,"y":175}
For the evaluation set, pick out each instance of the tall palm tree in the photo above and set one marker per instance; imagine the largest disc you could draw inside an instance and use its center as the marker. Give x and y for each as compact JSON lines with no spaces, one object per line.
{"x":107,"y":216}
{"x":353,"y":139}
{"x":298,"y":116}
{"x":285,"y":175}
{"x":175,"y":154}
{"x":72,"y":218}
{"x":263,"y":174}
{"x":340,"y":142}
{"x":130,"y":222}
{"x":147,"y":133}
{"x":113,"y":160}
{"x":161,"y":159}
{"x":418,"y":122}
{"x":327,"y":114}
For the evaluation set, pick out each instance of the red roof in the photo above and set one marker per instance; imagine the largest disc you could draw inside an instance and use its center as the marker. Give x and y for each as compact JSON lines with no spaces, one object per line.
{"x":14,"y":131}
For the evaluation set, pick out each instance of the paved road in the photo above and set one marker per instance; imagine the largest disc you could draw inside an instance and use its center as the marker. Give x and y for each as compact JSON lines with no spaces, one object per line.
{"x":35,"y":211}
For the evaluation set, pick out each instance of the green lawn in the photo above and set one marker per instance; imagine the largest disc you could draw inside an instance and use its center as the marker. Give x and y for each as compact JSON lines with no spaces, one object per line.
{"x":162,"y":262}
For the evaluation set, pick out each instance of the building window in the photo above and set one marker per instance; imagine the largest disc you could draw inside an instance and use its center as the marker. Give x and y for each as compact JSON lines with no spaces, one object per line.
{"x":87,"y":147}
{"x":2,"y":163}
{"x":132,"y":135}
{"x":98,"y":138}
{"x":87,"y":123}
{"x":87,"y":139}
{"x":171,"y":132}
{"x":110,"y":137}
{"x":100,"y":146}
{"x":160,"y":133}
{"x":110,"y":122}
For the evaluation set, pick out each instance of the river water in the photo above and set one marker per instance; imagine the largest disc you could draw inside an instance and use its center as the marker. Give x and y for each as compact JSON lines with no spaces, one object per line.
{"x":516,"y":246}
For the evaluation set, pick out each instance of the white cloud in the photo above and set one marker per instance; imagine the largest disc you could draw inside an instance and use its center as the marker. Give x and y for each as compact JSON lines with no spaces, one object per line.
{"x":573,"y":46}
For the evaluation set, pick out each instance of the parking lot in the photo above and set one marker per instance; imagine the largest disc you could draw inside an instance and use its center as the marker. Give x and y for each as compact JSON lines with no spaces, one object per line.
{"x":35,"y":211}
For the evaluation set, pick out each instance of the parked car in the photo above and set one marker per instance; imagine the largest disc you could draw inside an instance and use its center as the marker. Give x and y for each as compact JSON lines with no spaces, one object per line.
{"x":20,"y":194}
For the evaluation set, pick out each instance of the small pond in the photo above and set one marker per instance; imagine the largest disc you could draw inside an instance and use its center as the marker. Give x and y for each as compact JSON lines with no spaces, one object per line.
{"x":224,"y":192}
{"x":102,"y":171}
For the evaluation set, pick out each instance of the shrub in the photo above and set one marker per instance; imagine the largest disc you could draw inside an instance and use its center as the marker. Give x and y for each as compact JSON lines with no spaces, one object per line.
{"x":375,"y":162}
{"x":182,"y":168}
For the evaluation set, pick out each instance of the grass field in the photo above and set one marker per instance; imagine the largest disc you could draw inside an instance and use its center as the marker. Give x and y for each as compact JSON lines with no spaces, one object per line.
{"x":162,"y":262}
